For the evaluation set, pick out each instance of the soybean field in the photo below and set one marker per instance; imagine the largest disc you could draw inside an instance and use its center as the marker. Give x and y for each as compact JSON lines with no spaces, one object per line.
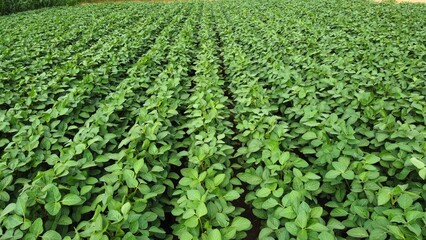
{"x":224,"y":119}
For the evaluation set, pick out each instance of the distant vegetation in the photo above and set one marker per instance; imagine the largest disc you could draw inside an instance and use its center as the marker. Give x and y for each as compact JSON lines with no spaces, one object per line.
{"x":214,"y":120}
{"x":12,"y":6}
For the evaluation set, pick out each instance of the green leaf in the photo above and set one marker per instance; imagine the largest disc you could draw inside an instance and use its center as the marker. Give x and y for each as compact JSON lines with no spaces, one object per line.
{"x":254,"y":145}
{"x":21,"y":205}
{"x":309,"y":136}
{"x":285,"y":156}
{"x":269,"y":203}
{"x":114,"y":215}
{"x":377,"y":234}
{"x":292,"y":228}
{"x":138,"y":165}
{"x":273,"y":223}
{"x":285,"y":212}
{"x":265,"y":232}
{"x":316,"y":212}
{"x":241,"y":223}
{"x":129,"y":177}
{"x":325,"y":236}
{"x":65,"y":220}
{"x":338,"y":212}
{"x":153,"y":150}
{"x":312,"y":186}
{"x":85,"y":189}
{"x":185,"y":235}
{"x":335,"y":224}
{"x":193,"y":195}
{"x":79,"y":148}
{"x":381,"y":137}
{"x":71,"y":199}
{"x":219,"y":179}
{"x":422,"y":173}
{"x":340,"y":166}
{"x":361,"y":211}
{"x":155,"y":229}
{"x":13,"y":221}
{"x":301,"y":219}
{"x":229,"y":233}
{"x":3,"y":142}
{"x":148,"y":216}
{"x":358,"y":232}
{"x":413,"y":215}
{"x":192,"y":222}
{"x":125,"y":208}
{"x":396,"y":232}
{"x":51,"y":235}
{"x":222,"y":219}
{"x":53,"y":208}
{"x":405,"y":201}
{"x":332,"y":174}
{"x":371,"y":159}
{"x":214,"y":235}
{"x":201,"y":209}
{"x":231,"y":195}
{"x":8,"y":209}
{"x":37,"y":227}
{"x":383,"y":196}
{"x":251,"y":179}
{"x":415,"y":228}
{"x":349,"y":175}
{"x":263,"y":192}
{"x":417,"y":163}
{"x":318,"y":227}
{"x":102,"y":158}
{"x":302,"y":234}
{"x":157,"y":169}
{"x":188,"y":213}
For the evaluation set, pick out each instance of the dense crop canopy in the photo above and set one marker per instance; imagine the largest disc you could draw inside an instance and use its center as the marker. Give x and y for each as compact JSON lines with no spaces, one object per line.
{"x":226,"y":119}
{"x":13,"y":6}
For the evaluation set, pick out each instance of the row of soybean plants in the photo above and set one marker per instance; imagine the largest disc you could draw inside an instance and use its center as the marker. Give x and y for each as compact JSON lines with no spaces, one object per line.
{"x":203,"y":199}
{"x":268,"y":169}
{"x":351,"y":157}
{"x":59,"y":161}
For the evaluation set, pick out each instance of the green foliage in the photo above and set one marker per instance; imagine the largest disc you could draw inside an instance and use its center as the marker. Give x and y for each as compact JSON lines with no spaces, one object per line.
{"x":13,"y":6}
{"x":214,"y":120}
